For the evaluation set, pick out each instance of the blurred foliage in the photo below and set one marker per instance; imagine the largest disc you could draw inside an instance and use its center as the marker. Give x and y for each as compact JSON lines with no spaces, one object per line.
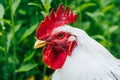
{"x":20,"y":18}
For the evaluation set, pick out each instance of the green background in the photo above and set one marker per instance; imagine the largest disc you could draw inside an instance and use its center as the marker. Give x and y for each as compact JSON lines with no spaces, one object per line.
{"x":20,"y":18}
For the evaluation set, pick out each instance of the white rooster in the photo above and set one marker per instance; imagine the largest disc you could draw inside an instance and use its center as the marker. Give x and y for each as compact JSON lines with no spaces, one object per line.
{"x":71,"y":52}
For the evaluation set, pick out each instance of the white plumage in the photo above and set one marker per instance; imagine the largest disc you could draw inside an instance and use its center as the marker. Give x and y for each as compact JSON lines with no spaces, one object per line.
{"x":89,"y":60}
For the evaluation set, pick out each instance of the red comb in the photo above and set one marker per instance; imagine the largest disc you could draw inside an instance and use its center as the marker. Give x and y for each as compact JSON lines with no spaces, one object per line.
{"x":58,"y":19}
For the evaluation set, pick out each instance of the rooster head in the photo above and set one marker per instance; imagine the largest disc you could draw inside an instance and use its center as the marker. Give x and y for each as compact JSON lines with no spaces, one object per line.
{"x":57,"y":44}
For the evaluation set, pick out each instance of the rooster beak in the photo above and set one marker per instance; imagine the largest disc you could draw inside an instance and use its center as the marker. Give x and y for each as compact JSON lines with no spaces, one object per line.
{"x":39,"y":43}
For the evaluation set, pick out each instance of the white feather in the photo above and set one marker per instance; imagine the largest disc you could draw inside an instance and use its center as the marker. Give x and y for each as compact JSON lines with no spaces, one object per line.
{"x":89,"y":60}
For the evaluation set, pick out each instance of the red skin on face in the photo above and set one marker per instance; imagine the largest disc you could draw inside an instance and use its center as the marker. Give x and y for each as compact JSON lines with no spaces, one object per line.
{"x":55,"y":53}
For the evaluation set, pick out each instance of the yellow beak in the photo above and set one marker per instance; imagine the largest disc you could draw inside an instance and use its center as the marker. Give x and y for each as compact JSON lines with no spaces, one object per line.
{"x":39,"y":43}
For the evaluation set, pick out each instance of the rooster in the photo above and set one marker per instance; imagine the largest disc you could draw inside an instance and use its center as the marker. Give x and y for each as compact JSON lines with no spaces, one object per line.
{"x":71,"y":52}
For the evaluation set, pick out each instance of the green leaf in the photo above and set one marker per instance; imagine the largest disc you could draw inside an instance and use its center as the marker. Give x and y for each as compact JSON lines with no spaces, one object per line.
{"x":17,"y":27}
{"x":1,"y":13}
{"x":29,"y":56}
{"x":101,"y":39}
{"x":84,"y":6}
{"x":2,"y":49}
{"x":13,"y":60}
{"x":26,"y":67}
{"x":44,"y":13}
{"x":113,"y":29}
{"x":95,"y":15}
{"x":9,"y":38}
{"x":22,"y":11}
{"x":15,"y":5}
{"x":1,"y":34}
{"x":47,"y":7}
{"x":104,"y":3}
{"x":43,"y":2}
{"x":6,"y":21}
{"x":28,"y":32}
{"x":86,"y":25}
{"x":9,"y":35}
{"x":107,"y":8}
{"x":46,"y":4}
{"x":35,"y":4}
{"x":98,"y":37}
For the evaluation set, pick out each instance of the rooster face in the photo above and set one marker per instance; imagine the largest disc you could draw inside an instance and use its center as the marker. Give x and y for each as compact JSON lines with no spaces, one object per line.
{"x":57,"y":46}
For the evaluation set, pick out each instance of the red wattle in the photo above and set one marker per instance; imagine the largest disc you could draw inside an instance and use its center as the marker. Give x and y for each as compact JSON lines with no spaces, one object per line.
{"x":54,"y":57}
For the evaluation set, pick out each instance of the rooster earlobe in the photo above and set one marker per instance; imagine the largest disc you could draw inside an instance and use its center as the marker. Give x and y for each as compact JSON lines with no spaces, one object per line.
{"x":71,"y":46}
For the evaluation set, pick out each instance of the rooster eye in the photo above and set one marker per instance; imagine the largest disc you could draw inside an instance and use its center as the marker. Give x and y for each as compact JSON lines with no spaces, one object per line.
{"x":61,"y":35}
